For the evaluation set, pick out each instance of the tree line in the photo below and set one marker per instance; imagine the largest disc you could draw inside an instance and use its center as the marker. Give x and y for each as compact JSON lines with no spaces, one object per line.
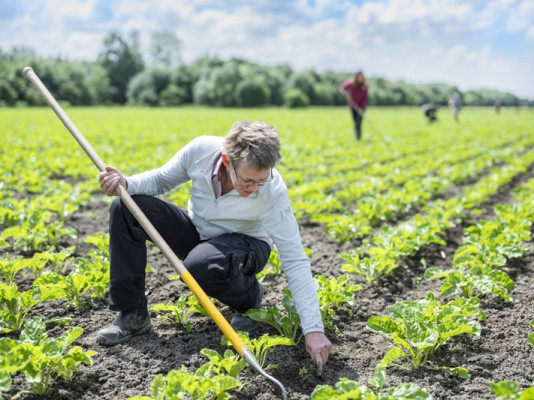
{"x":121,"y":75}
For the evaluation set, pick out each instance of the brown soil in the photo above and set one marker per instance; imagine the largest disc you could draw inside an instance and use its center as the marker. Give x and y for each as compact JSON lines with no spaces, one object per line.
{"x":501,"y":352}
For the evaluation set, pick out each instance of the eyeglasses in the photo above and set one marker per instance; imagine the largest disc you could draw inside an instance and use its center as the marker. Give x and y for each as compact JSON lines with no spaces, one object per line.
{"x":250,"y":182}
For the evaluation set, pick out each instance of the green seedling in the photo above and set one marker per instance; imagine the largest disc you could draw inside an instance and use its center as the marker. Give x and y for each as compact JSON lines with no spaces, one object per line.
{"x":42,"y":359}
{"x":510,"y":390}
{"x":205,"y":383}
{"x":11,"y":267}
{"x":369,"y":268}
{"x":58,"y":261}
{"x":349,"y":389}
{"x":392,"y":244}
{"x":261,"y":346}
{"x":73,"y":286}
{"x":418,"y":329}
{"x":101,"y":241}
{"x":274,"y":266}
{"x":333,"y":294}
{"x":304,"y":373}
{"x":287,"y":325}
{"x":230,"y":364}
{"x":488,"y":246}
{"x":36,"y":233}
{"x":473,"y":282}
{"x":176,"y":313}
{"x":14,"y":356}
{"x":15,"y":305}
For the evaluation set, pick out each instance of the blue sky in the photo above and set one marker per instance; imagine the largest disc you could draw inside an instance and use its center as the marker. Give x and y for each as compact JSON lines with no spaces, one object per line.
{"x":471,"y":44}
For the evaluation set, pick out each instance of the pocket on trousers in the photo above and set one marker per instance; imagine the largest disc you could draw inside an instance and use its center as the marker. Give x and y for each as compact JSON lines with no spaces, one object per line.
{"x":251,"y":265}
{"x":245,"y":262}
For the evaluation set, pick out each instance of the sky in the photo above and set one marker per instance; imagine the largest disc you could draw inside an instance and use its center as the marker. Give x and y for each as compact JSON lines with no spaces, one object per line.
{"x":471,"y":44}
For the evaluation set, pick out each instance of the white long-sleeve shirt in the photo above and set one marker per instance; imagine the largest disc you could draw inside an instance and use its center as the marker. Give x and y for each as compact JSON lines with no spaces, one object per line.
{"x":264,"y":214}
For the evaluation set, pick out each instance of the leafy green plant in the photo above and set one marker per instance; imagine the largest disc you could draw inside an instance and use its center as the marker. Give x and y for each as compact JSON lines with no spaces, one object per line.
{"x":333,"y":293}
{"x":392,"y":244}
{"x":56,"y":260}
{"x":369,"y":268}
{"x":13,"y":357}
{"x":418,"y":329}
{"x":344,"y":388}
{"x":177,"y":313}
{"x":488,"y":246}
{"x":73,"y":286}
{"x":349,"y":389}
{"x":36,"y":233}
{"x":64,"y":200}
{"x":510,"y":390}
{"x":42,"y":359}
{"x":342,"y":227}
{"x":262,"y":346}
{"x":10,"y":267}
{"x":492,"y":242}
{"x":287,"y":325}
{"x":212,"y":380}
{"x":228,"y":364}
{"x":395,"y":243}
{"x":101,"y":241}
{"x":15,"y":305}
{"x":304,"y":373}
{"x":12,"y":211}
{"x":205,"y":383}
{"x":473,"y":282}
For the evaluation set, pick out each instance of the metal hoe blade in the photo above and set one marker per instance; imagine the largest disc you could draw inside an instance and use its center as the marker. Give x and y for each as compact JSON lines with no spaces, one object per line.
{"x":247,"y":355}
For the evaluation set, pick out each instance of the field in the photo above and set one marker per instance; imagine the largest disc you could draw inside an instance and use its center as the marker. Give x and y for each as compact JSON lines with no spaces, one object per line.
{"x":409,"y":199}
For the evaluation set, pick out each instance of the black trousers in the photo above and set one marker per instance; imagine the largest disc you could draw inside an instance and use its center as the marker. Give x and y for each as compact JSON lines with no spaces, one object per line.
{"x":357,"y":123}
{"x":224,"y":266}
{"x":431,"y":115}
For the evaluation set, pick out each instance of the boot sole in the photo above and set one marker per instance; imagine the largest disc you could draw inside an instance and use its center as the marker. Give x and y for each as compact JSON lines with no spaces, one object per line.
{"x":109,"y":342}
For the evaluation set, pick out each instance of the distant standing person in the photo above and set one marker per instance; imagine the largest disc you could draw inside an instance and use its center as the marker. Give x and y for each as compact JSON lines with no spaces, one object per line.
{"x":456,"y":104}
{"x":497,"y":106}
{"x":355,"y":90}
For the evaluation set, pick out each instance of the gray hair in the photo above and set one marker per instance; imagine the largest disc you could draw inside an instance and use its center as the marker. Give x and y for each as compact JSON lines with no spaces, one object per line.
{"x":253,"y":144}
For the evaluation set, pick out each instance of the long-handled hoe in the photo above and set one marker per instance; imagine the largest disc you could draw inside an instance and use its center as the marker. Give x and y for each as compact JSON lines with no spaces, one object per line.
{"x":214,"y":313}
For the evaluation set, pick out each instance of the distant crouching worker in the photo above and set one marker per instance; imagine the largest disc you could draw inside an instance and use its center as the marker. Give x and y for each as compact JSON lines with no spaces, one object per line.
{"x":430,"y":109}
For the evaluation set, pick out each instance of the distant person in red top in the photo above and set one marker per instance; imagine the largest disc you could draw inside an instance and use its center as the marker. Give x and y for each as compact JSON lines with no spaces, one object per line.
{"x":355,"y":90}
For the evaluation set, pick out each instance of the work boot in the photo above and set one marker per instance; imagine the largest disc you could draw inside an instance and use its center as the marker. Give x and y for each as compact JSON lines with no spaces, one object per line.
{"x":128,"y":324}
{"x":246,"y":324}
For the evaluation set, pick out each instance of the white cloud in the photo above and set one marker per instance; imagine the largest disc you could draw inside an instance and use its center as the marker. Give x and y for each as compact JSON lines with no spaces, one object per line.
{"x":395,"y":12}
{"x":522,"y":17}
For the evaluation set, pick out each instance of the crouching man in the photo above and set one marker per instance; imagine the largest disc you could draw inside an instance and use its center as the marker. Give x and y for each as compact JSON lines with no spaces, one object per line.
{"x":238,"y":210}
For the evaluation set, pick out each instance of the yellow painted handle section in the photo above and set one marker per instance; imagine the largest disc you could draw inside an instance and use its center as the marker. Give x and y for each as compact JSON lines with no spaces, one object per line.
{"x":213,"y":311}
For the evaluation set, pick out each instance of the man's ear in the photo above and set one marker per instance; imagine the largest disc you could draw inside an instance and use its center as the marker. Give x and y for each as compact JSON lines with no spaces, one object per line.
{"x":225,"y":160}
